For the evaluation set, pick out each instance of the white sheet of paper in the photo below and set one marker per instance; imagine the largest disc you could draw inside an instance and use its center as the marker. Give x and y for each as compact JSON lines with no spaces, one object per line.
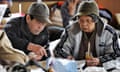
{"x":37,"y":70}
{"x":95,"y":69}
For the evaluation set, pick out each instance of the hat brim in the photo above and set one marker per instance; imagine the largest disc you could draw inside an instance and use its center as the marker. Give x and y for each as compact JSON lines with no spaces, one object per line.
{"x":77,"y":15}
{"x":44,"y":19}
{"x":82,"y":14}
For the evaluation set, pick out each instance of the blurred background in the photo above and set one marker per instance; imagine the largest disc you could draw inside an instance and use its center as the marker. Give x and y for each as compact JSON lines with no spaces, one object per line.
{"x":21,"y":6}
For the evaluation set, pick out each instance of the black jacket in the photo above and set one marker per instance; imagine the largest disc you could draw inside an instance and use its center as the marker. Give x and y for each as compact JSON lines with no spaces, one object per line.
{"x":19,"y":34}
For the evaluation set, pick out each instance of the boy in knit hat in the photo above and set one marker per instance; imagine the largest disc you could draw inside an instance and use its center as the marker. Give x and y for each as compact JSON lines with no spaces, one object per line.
{"x":89,"y":37}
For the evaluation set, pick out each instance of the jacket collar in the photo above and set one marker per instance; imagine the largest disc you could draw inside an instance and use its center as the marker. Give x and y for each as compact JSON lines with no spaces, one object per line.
{"x":24,"y":26}
{"x":100,"y":27}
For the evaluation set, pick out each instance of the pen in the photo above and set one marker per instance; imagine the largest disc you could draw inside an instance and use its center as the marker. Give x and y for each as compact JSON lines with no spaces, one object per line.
{"x":46,"y":46}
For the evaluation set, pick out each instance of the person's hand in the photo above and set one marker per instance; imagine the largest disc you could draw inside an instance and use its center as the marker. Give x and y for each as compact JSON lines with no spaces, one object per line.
{"x":37,"y":49}
{"x":70,"y":57}
{"x":33,"y":56}
{"x":76,"y":1}
{"x":72,"y":6}
{"x":93,"y":62}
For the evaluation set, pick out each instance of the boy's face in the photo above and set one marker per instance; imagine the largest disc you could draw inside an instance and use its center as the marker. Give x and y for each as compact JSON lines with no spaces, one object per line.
{"x":34,"y":25}
{"x":86,"y":23}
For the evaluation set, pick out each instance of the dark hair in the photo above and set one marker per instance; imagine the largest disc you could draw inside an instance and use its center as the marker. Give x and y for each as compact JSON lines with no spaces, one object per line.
{"x":94,"y":17}
{"x":31,"y":17}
